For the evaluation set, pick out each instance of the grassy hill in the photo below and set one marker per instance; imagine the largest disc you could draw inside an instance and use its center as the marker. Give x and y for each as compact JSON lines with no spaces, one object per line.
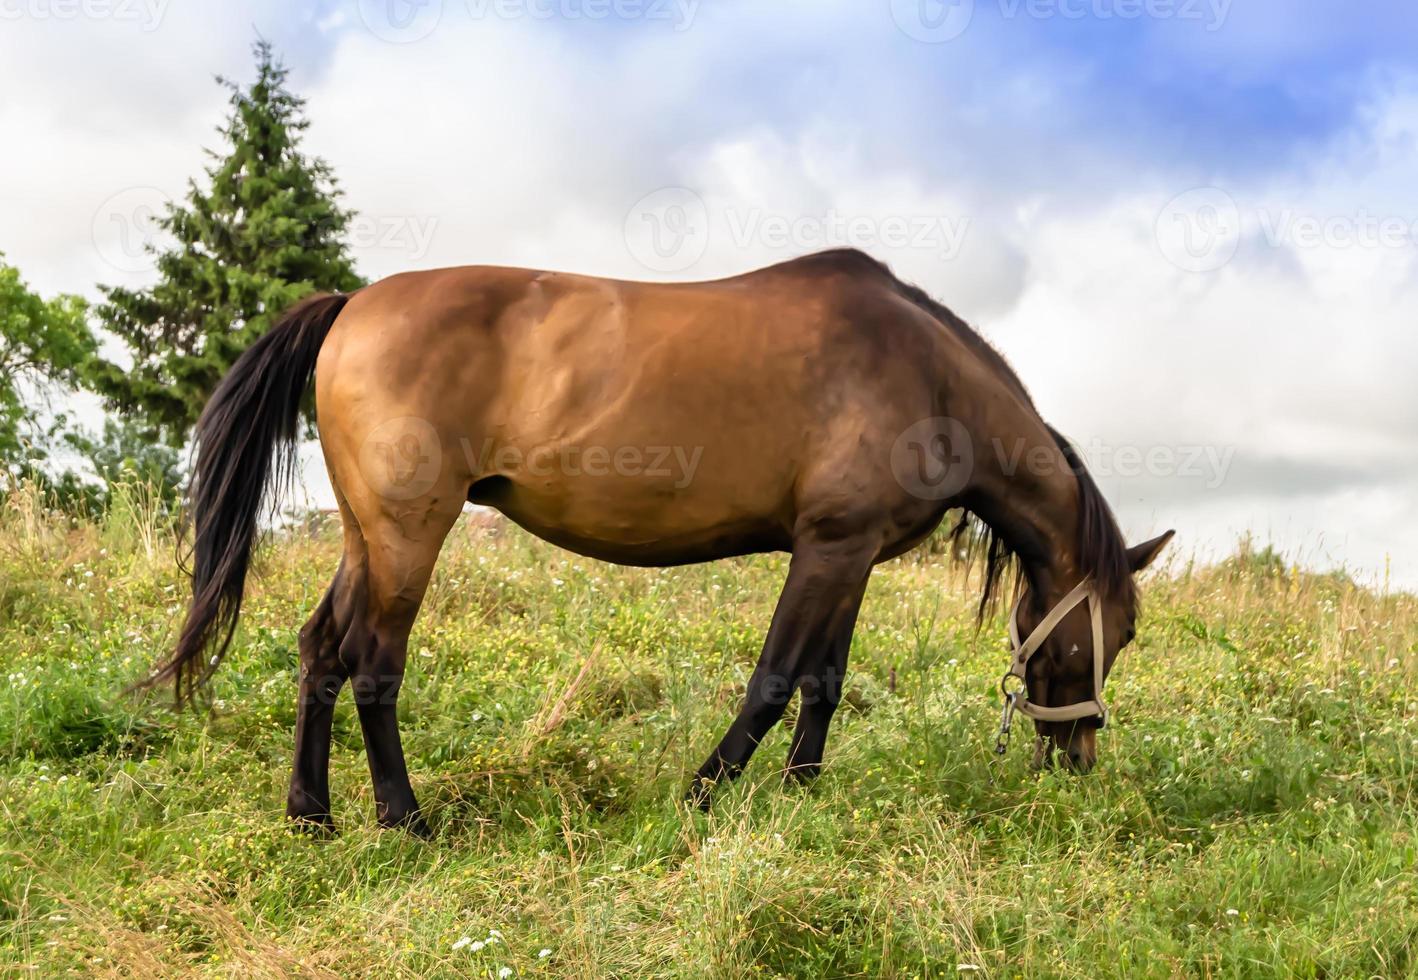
{"x":1253,"y":812}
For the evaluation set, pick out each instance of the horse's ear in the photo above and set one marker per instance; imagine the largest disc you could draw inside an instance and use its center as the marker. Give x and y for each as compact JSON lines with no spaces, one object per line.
{"x":1142,"y":555}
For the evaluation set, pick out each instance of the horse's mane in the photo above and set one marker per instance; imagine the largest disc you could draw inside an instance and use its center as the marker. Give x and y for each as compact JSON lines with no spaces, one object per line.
{"x":1102,"y":552}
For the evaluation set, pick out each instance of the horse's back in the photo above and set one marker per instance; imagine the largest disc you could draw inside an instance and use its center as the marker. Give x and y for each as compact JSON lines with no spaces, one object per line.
{"x":640,"y":422}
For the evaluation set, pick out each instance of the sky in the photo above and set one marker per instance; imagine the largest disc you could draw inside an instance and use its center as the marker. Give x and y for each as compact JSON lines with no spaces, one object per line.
{"x":1190,"y":225}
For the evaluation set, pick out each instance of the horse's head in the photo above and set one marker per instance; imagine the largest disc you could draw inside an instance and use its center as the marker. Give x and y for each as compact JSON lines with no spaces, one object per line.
{"x":1069,"y":647}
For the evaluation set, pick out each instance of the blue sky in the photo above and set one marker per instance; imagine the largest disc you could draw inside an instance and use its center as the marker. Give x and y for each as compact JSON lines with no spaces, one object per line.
{"x":1190,"y":224}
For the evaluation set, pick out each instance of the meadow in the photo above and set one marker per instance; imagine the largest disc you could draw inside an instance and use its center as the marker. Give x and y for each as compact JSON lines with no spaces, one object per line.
{"x":1252,"y":814}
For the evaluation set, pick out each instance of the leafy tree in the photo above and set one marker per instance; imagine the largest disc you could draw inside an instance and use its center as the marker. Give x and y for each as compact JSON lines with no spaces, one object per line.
{"x":45,"y":345}
{"x":128,"y":452}
{"x":267,"y":230}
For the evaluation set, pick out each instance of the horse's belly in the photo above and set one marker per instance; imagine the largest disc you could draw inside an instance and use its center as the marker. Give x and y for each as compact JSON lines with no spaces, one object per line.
{"x":637,"y":519}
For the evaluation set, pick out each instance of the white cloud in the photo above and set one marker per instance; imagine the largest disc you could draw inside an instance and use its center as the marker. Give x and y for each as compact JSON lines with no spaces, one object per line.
{"x":1296,"y":354}
{"x":797,"y":125}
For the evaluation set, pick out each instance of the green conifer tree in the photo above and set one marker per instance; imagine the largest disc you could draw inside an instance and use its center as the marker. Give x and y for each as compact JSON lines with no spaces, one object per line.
{"x":267,"y":230}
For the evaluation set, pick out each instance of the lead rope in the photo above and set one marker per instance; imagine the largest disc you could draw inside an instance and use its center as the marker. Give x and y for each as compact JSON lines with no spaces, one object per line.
{"x":1006,"y":718}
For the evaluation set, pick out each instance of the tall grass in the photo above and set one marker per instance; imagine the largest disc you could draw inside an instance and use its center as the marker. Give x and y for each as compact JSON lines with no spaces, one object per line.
{"x":1253,"y":812}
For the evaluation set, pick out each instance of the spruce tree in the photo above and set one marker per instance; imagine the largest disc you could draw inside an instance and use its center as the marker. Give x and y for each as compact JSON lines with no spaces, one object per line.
{"x":267,"y":230}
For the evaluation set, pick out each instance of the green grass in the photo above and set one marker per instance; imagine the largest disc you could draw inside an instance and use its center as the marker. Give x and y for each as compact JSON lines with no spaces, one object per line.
{"x":1253,"y":812}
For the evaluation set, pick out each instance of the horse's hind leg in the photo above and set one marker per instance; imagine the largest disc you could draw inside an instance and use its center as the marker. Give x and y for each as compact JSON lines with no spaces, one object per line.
{"x":402,"y":552}
{"x":811,"y":627}
{"x":322,"y":674}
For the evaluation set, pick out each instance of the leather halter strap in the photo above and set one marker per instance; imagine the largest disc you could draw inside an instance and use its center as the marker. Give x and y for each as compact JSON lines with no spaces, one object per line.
{"x":1017,"y":699}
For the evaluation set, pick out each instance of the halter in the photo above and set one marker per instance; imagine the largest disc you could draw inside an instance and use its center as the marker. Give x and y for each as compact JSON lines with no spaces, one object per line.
{"x":1014,"y":684}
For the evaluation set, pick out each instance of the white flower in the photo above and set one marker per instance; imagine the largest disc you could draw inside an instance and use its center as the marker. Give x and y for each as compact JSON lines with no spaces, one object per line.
{"x":505,"y":972}
{"x":478,"y":946}
{"x":967,"y":968}
{"x":543,"y":954}
{"x":1232,"y":912}
{"x":464,"y":941}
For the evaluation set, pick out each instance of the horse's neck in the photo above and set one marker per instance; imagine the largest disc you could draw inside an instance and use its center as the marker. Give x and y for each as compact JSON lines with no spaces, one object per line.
{"x":1026,"y":491}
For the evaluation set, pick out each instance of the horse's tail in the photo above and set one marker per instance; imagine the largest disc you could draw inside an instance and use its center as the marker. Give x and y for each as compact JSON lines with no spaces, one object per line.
{"x":250,"y":423}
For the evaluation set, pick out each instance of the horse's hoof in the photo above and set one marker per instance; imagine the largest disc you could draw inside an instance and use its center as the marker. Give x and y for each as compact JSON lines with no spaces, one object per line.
{"x":317,"y":825}
{"x":411,"y":822}
{"x":801,"y":776}
{"x":700,"y":794}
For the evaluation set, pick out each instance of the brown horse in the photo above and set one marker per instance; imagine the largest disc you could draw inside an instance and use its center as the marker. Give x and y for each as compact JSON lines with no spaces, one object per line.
{"x":820,"y":407}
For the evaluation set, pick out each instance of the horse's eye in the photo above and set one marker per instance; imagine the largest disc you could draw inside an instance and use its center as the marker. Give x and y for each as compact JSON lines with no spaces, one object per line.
{"x":1128,"y":636}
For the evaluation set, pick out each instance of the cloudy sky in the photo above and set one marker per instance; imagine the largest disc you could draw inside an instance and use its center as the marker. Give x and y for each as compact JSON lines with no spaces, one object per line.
{"x":1191,"y":225}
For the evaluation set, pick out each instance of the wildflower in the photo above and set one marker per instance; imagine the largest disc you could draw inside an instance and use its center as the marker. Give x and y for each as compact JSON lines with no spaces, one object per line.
{"x":1232,"y":912}
{"x":463,"y":941}
{"x":543,"y":953}
{"x":478,"y":946}
{"x":505,"y":972}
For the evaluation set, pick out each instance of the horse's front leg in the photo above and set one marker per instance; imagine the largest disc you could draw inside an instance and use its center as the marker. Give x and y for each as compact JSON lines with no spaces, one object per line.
{"x":812,"y":625}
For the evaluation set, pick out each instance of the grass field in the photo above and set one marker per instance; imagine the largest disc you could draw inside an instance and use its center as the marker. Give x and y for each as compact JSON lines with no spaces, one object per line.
{"x":1253,"y":812}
